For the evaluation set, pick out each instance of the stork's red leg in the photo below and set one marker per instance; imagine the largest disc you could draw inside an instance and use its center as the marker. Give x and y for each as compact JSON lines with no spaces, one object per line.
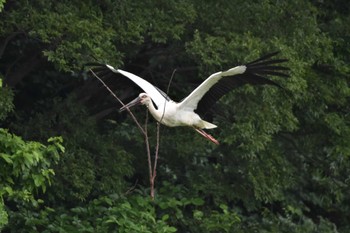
{"x":207,"y":136}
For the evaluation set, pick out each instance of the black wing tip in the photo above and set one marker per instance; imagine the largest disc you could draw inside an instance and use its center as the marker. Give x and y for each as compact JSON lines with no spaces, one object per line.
{"x":267,"y":65}
{"x":263,"y":58}
{"x":97,"y":64}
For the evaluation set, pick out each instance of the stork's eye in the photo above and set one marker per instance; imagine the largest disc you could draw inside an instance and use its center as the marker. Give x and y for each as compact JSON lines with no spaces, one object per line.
{"x":143,"y":96}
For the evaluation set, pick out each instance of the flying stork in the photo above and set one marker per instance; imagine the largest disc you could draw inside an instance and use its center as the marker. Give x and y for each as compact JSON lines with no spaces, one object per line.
{"x":188,"y":111}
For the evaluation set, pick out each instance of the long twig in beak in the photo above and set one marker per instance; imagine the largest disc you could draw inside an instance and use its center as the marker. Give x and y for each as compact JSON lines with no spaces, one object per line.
{"x":121,"y":102}
{"x":151,"y":168}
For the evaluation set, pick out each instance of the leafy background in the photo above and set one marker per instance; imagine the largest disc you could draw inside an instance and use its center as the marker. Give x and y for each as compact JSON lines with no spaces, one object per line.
{"x":71,"y":163}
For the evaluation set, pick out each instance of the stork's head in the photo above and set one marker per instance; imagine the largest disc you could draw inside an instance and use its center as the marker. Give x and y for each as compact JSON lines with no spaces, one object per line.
{"x":143,"y":99}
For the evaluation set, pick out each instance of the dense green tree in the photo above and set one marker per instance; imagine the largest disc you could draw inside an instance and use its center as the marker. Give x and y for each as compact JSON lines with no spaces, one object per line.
{"x":2,"y":2}
{"x":283,"y":162}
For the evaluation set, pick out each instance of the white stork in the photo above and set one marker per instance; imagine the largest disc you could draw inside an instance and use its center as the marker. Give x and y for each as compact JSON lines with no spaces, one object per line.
{"x":188,"y":111}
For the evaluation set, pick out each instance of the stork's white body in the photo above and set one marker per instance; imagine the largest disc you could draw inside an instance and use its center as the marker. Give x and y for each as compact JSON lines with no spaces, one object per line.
{"x":174,"y":114}
{"x":171,"y":114}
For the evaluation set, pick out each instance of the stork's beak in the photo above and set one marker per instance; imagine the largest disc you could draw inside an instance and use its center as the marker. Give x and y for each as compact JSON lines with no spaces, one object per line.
{"x":135,"y":102}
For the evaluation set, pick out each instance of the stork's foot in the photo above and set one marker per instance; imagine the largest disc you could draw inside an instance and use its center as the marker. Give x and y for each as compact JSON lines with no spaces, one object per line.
{"x":207,"y":136}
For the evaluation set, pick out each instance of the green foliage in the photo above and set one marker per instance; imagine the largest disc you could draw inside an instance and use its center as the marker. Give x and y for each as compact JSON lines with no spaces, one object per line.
{"x":105,"y":214}
{"x":26,"y":166}
{"x":2,"y":2}
{"x":283,"y":162}
{"x":133,"y":213}
{"x":91,"y":30}
{"x":136,"y":212}
{"x":89,"y":166}
{"x":3,"y":215}
{"x":56,"y":34}
{"x":6,"y":102}
{"x":25,"y":169}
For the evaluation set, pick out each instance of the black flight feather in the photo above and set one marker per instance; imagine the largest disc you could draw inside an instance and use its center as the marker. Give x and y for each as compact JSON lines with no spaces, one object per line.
{"x":255,"y":75}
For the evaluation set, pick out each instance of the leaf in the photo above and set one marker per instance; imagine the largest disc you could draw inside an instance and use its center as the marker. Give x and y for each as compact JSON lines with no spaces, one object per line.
{"x":197,"y":201}
{"x":170,"y":229}
{"x":197,"y":214}
{"x":6,"y":157}
{"x":165,"y":217}
{"x":9,"y":190}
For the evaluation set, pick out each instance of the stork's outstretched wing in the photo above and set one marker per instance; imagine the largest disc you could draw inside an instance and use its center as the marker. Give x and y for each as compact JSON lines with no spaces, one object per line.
{"x":157,"y":95}
{"x":220,"y":83}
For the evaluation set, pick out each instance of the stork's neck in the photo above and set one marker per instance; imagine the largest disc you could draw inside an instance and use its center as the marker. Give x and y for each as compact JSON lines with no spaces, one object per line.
{"x":156,"y":113}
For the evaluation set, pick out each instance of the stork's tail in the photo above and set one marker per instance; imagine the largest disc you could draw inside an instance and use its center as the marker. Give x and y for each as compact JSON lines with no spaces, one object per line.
{"x":207,"y":136}
{"x":207,"y":125}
